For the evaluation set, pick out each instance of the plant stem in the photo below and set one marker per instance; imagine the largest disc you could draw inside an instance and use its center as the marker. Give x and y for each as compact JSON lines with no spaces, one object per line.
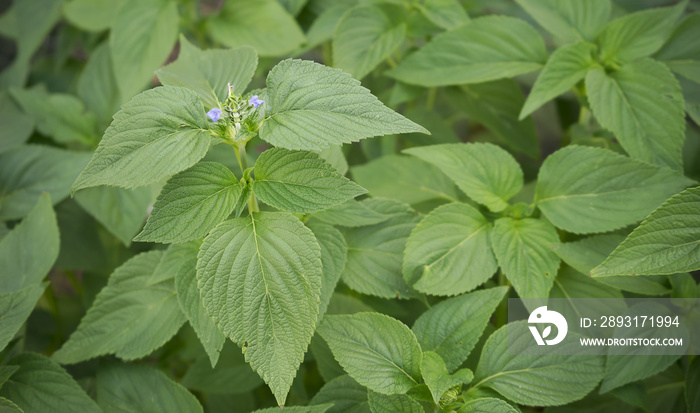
{"x":430,"y":103}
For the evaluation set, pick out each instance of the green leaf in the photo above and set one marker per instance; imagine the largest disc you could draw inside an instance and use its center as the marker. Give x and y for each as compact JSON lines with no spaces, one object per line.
{"x":300,"y":181}
{"x":487,"y":405}
{"x":485,"y":172}
{"x":294,"y":7}
{"x":638,"y":34}
{"x":7,"y":406}
{"x":692,"y":381}
{"x":376,"y":350}
{"x":231,"y":374}
{"x":28,"y":252}
{"x":297,"y":409}
{"x":28,"y":171}
{"x":263,"y":24}
{"x":323,"y":27}
{"x":158,"y":133}
{"x":123,"y":388}
{"x":40,"y":385}
{"x":129,"y":317}
{"x":488,"y":48}
{"x":17,"y":126}
{"x":191,"y":204}
{"x":448,"y":252}
{"x":642,"y":105}
{"x":334,"y":251}
{"x":564,"y":69}
{"x":681,"y":53}
{"x":193,"y":308}
{"x":334,"y":156}
{"x":209,"y":73}
{"x":366,"y":35}
{"x":438,"y":379}
{"x":175,"y":257}
{"x":446,"y":14}
{"x":15,"y":307}
{"x":347,"y":395}
{"x":375,"y":252}
{"x":667,"y":241}
{"x":585,"y":190}
{"x":351,"y":214}
{"x":452,"y":327}
{"x":522,"y":250}
{"x":542,"y":379}
{"x":383,"y":403}
{"x":312,"y":107}
{"x":569,"y":20}
{"x":121,"y":211}
{"x":405,"y":179}
{"x":260,"y":280}
{"x":141,"y":38}
{"x":91,"y":15}
{"x":97,"y":85}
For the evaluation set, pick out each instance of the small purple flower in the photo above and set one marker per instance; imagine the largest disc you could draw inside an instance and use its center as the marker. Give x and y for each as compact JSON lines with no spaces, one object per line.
{"x":255,"y":101}
{"x":214,"y":114}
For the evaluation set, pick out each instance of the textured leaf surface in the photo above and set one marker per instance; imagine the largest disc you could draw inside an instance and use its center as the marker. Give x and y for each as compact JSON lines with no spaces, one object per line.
{"x":347,"y":396}
{"x":585,"y":190}
{"x":535,"y":380}
{"x":158,"y":133}
{"x":487,"y":405}
{"x":15,"y":308}
{"x":40,"y":385}
{"x":231,"y":374}
{"x":448,"y":252}
{"x":485,"y":172}
{"x":28,"y":171}
{"x":522,"y":250}
{"x":564,"y":69}
{"x":681,"y":53}
{"x":7,"y":406}
{"x":488,"y":48}
{"x":123,"y":388}
{"x":300,"y":181}
{"x":642,"y":105}
{"x":260,"y":279}
{"x":30,"y":249}
{"x":191,"y":204}
{"x":312,"y":107}
{"x":390,"y":403}
{"x":376,"y":350}
{"x":351,"y":214}
{"x":438,"y":379}
{"x":569,"y":20}
{"x":366,"y":35}
{"x":447,"y":14}
{"x":452,"y":327}
{"x":375,"y":252}
{"x":334,"y":251}
{"x":175,"y":257}
{"x":667,"y":241}
{"x":129,"y":317}
{"x":262,"y":24}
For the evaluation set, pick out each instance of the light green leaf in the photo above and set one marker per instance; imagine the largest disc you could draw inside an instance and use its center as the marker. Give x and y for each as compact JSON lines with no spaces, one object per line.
{"x":91,"y":15}
{"x":569,"y":20}
{"x":262,"y":24}
{"x":448,"y":252}
{"x":405,"y":179}
{"x":542,"y":379}
{"x":260,"y":280}
{"x":231,"y":374}
{"x":347,"y":396}
{"x":391,"y":403}
{"x":97,"y":85}
{"x":351,"y":214}
{"x":175,"y":257}
{"x":366,"y":35}
{"x":191,"y":304}
{"x":323,"y":408}
{"x":121,"y":211}
{"x":191,"y":204}
{"x":585,"y":190}
{"x":143,"y":35}
{"x":209,"y":73}
{"x":496,"y":106}
{"x":128,"y":388}
{"x":446,"y":14}
{"x":642,"y":105}
{"x":17,"y":126}
{"x":452,"y":327}
{"x":487,"y":405}
{"x":27,"y":171}
{"x":375,"y":252}
{"x":312,"y":107}
{"x":571,"y":284}
{"x":300,"y":181}
{"x":485,"y":172}
{"x":40,"y":385}
{"x":294,"y":7}
{"x":488,"y":48}
{"x":334,"y":156}
{"x":667,"y":241}
{"x":30,"y":249}
{"x":681,"y":53}
{"x":158,"y":133}
{"x":638,"y":34}
{"x":376,"y":350}
{"x":323,"y":27}
{"x":334,"y":251}
{"x":564,"y":69}
{"x":129,"y":317}
{"x":15,"y":307}
{"x":438,"y":379}
{"x":523,"y":253}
